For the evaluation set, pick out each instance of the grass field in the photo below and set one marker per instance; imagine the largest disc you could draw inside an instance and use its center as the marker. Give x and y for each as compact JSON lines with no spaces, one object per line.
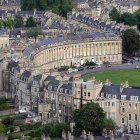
{"x":117,"y":77}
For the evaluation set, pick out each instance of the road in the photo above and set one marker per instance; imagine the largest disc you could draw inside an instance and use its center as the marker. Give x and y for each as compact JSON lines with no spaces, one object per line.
{"x":127,"y":66}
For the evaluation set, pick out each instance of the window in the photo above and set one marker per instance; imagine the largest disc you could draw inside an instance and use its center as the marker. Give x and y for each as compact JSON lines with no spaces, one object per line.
{"x":78,"y":92}
{"x":114,"y":96}
{"x":123,"y":97}
{"x":135,"y":106}
{"x":102,"y":94}
{"x":84,"y":93}
{"x":122,"y":104}
{"x":129,"y":106}
{"x":136,"y":118}
{"x":35,"y":89}
{"x":130,"y":127}
{"x":113,"y":104}
{"x":64,"y":98}
{"x":136,"y":128}
{"x":84,"y":86}
{"x":129,"y":116}
{"x":108,"y":103}
{"x":88,"y":93}
{"x":122,"y":120}
{"x":134,"y":98}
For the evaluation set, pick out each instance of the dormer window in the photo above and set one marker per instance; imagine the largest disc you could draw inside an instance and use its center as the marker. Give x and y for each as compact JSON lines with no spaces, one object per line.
{"x":102,"y":94}
{"x":134,"y":98}
{"x":50,"y":88}
{"x":114,"y":96}
{"x":61,"y":90}
{"x":123,"y":97}
{"x":65,"y":90}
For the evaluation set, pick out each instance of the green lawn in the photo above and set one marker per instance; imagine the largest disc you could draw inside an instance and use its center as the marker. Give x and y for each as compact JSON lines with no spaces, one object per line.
{"x":117,"y":77}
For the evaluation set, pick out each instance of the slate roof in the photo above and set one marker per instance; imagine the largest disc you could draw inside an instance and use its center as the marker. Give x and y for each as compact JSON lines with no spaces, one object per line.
{"x":112,"y":89}
{"x":66,"y":88}
{"x":131,"y":91}
{"x":30,"y":50}
{"x":37,"y":77}
{"x":98,"y":24}
{"x":25,"y":75}
{"x":4,"y":32}
{"x":13,"y":65}
{"x":115,"y":90}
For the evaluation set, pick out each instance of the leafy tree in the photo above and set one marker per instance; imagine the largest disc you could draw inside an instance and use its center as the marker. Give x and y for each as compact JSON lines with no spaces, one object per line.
{"x":89,"y":118}
{"x":34,"y":32}
{"x":90,"y":63}
{"x":18,"y":22}
{"x":137,"y":15}
{"x":109,"y":124}
{"x":114,"y":15}
{"x":8,"y":121}
{"x":30,"y":22}
{"x":130,"y":41}
{"x":61,"y":7}
{"x":1,"y":129}
{"x":43,"y":4}
{"x":138,"y":26}
{"x":128,"y":19}
{"x":8,"y":23}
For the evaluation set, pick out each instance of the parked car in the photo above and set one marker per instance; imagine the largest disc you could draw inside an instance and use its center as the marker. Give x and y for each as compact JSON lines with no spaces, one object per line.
{"x":109,"y":65}
{"x":91,"y":67}
{"x":98,"y":66}
{"x":137,"y":67}
{"x":135,"y":58}
{"x":80,"y":68}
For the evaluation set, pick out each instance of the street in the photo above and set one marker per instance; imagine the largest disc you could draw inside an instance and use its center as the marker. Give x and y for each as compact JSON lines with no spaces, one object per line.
{"x":126,"y":66}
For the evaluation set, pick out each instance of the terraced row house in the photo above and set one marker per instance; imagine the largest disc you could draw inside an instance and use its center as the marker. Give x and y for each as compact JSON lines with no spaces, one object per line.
{"x":54,"y":97}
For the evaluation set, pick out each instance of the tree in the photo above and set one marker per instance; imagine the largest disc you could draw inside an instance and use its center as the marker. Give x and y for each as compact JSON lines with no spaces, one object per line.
{"x":128,"y":19}
{"x":30,"y":22}
{"x":43,"y":4}
{"x":138,"y":26}
{"x":8,"y":121}
{"x":89,"y":118}
{"x":114,"y":15}
{"x":18,"y":22}
{"x":34,"y":33}
{"x":109,"y":124}
{"x":1,"y":129}
{"x":130,"y":41}
{"x":8,"y":23}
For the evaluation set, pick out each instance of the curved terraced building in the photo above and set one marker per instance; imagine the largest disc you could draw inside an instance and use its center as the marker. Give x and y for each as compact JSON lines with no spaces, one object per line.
{"x":75,"y":49}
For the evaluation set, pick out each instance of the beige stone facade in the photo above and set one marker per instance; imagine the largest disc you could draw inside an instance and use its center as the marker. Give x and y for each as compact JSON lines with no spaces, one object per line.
{"x":90,"y":91}
{"x":70,"y":53}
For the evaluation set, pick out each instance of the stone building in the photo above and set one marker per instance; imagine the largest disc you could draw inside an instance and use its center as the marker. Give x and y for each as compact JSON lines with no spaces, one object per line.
{"x":121,"y":103}
{"x":87,"y":91}
{"x":23,"y":91}
{"x":57,"y":102}
{"x":75,"y":49}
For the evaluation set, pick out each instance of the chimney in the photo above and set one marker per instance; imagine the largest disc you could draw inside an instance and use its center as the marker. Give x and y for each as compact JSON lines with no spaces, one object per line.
{"x":124,"y":85}
{"x":34,"y":12}
{"x":107,"y":82}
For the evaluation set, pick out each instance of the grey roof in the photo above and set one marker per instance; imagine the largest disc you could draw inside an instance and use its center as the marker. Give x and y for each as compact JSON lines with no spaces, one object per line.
{"x":13,"y":65}
{"x":131,"y":91}
{"x":66,"y":88}
{"x":4,"y":32}
{"x":30,"y":50}
{"x":97,"y":23}
{"x":25,"y":75}
{"x":111,"y":89}
{"x":37,"y":77}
